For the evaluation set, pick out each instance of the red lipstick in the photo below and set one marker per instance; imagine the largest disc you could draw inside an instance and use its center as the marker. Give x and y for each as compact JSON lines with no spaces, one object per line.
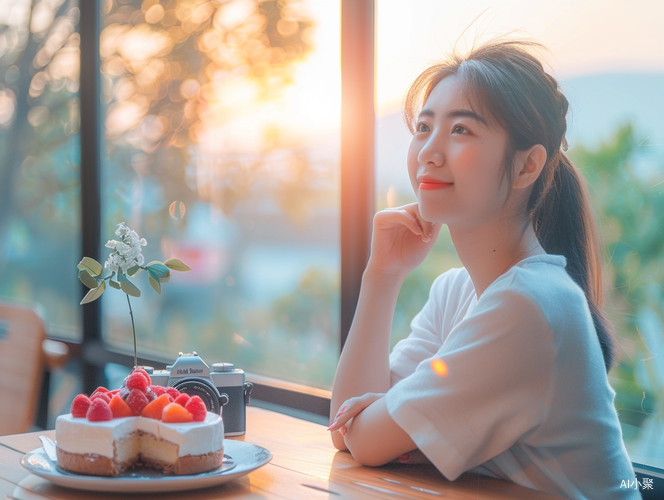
{"x":429,"y":184}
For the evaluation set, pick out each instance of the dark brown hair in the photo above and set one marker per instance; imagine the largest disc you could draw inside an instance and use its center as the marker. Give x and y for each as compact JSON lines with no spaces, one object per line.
{"x":506,"y":81}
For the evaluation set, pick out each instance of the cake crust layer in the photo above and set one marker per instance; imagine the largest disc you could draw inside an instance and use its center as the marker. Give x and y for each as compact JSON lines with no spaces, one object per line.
{"x":97,"y":465}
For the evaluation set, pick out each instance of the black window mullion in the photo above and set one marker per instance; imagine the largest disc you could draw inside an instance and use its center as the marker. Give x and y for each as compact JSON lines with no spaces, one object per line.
{"x":90,"y":176}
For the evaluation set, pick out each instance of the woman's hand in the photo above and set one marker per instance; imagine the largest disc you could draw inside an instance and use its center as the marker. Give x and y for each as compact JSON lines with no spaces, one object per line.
{"x":401,"y":240}
{"x":351,"y":408}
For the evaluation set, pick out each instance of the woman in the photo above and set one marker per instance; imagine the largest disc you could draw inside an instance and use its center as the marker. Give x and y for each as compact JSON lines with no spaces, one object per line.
{"x":505,"y":371}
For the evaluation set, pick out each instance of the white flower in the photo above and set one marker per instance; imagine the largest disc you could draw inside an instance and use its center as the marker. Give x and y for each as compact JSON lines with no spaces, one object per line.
{"x":127,"y":252}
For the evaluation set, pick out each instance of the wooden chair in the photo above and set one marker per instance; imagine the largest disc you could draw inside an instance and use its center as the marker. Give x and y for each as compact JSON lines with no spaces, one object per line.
{"x":25,"y":354}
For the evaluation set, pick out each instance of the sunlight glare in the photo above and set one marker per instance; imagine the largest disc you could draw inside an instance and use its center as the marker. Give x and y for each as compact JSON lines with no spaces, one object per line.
{"x":439,"y":367}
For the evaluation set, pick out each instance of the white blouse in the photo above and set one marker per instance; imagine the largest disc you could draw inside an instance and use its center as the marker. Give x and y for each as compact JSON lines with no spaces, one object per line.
{"x":526,"y":397}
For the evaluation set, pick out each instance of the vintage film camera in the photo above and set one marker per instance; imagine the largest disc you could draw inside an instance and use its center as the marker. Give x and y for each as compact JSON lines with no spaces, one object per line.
{"x":221,"y":385}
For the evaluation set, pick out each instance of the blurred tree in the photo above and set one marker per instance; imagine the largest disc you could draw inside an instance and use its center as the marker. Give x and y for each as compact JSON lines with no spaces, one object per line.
{"x":629,"y":202}
{"x":176,"y":71}
{"x":39,"y":78}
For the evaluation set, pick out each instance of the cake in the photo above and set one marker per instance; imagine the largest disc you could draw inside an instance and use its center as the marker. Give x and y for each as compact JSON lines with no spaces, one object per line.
{"x":139,"y":425}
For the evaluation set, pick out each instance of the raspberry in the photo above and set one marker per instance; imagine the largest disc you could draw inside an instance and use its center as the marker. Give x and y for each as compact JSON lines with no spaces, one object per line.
{"x":115,"y":392}
{"x":120,"y":408}
{"x":173,"y":392}
{"x":106,"y":396}
{"x":144,"y":373}
{"x":136,"y":381}
{"x":158,"y":389}
{"x":124,"y":392}
{"x":173,"y":413}
{"x":150,"y":394}
{"x":182,"y":399}
{"x":98,"y":390}
{"x":155,"y":409}
{"x":197,"y":408}
{"x":80,"y":405}
{"x":137,"y":401}
{"x":99,"y":411}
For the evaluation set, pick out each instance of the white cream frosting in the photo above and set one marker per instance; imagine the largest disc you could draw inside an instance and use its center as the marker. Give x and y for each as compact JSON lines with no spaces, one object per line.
{"x":78,"y":435}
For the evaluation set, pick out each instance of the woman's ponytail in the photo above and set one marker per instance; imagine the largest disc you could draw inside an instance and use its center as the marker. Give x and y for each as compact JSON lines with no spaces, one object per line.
{"x":565,"y":225}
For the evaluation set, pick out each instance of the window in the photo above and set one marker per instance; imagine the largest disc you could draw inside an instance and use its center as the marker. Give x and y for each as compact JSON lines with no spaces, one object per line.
{"x":221,"y":138}
{"x":39,"y":160}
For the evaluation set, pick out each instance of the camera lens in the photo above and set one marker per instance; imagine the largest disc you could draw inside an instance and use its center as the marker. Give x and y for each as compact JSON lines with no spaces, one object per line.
{"x":202,"y":388}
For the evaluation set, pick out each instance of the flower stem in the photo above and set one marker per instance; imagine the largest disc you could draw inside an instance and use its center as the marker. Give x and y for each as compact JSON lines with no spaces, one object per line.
{"x":133,"y":329}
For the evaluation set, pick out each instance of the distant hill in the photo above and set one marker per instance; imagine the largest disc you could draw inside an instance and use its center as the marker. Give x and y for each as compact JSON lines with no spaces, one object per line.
{"x":598,"y":103}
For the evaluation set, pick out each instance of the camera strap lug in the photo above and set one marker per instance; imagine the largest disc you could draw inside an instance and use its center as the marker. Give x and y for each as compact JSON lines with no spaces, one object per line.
{"x":248,"y":387}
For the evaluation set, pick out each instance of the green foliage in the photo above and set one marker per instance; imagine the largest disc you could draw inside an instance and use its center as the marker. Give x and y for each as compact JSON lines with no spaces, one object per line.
{"x":91,"y":266}
{"x":94,"y":294}
{"x":127,"y":286}
{"x":629,"y":202}
{"x":177,"y":265}
{"x":87,"y":279}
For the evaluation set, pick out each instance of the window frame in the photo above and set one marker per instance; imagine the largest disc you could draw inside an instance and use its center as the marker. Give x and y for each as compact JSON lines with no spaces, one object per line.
{"x":357,"y":196}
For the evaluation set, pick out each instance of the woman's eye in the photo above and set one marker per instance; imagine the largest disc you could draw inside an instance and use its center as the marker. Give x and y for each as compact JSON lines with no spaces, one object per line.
{"x":459,"y":129}
{"x":423,"y":127}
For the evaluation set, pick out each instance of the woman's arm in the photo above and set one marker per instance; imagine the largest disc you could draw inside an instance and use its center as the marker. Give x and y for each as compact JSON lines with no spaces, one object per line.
{"x":371,"y":424}
{"x":364,"y":363}
{"x":401,"y":240}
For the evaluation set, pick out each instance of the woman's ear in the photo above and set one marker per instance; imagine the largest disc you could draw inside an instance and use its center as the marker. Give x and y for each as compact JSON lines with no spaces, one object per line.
{"x":529,"y":165}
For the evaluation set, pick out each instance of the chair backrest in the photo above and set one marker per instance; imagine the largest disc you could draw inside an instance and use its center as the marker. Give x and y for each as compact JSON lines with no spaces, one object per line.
{"x":22,"y":332}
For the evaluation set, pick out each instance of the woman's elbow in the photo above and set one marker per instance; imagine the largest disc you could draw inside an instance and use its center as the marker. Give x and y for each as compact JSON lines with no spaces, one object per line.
{"x":338,"y":441}
{"x":364,"y":455}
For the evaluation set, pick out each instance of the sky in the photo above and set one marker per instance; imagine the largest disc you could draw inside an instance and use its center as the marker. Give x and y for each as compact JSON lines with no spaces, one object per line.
{"x":585,"y":37}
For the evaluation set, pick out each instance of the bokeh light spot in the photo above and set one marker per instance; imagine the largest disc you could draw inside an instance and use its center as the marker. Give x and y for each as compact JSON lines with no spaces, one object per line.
{"x":177,"y":210}
{"x":439,"y":367}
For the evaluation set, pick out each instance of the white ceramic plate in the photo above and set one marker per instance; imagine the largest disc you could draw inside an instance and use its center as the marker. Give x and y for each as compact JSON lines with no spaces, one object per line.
{"x":240,"y":458}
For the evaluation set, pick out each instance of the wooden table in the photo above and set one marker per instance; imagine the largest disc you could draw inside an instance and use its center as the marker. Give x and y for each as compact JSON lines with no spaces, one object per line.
{"x":304,"y":465}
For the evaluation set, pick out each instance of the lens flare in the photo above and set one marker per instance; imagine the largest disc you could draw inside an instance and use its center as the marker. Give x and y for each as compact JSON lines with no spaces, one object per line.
{"x":439,"y":367}
{"x":177,"y":210}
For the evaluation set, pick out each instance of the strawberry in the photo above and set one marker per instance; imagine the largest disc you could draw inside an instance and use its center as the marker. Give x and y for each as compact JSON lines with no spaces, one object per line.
{"x":99,"y":411}
{"x":120,"y":408}
{"x":144,"y":373}
{"x":80,"y":405}
{"x":137,"y":401}
{"x":106,"y":396}
{"x":155,"y":408}
{"x":173,"y":413}
{"x":136,"y":380}
{"x":173,"y":392}
{"x":197,"y":408}
{"x":158,"y":389}
{"x":182,"y":399}
{"x":99,"y":389}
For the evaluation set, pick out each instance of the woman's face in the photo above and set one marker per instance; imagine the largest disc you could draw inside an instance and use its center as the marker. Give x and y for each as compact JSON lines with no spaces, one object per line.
{"x":460,"y":154}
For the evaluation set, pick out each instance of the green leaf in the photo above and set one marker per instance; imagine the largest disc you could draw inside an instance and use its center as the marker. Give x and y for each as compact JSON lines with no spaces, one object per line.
{"x":87,"y":279}
{"x":165,"y":279}
{"x":128,"y":287}
{"x":158,"y":268}
{"x":94,"y":294}
{"x":155,"y":284}
{"x":177,"y":265}
{"x":114,"y":284}
{"x":90,"y":265}
{"x":133,"y":271}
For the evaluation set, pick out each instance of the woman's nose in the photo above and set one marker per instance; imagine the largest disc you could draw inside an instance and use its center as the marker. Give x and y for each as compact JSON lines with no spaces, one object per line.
{"x":431,"y":154}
